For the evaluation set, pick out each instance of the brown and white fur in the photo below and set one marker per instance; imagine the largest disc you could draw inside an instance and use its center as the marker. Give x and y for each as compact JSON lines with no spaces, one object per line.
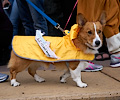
{"x":89,"y":40}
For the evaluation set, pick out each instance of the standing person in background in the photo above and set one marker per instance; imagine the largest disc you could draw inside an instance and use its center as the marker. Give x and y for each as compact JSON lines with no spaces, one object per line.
{"x":31,"y":19}
{"x":6,"y":30}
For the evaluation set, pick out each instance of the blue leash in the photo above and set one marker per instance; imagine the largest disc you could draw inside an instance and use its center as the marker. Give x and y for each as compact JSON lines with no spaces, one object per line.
{"x":56,"y":25}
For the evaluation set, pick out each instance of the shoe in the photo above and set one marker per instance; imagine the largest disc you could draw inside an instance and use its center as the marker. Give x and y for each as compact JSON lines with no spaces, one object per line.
{"x":93,"y":67}
{"x":3,"y":77}
{"x":115,"y":60}
{"x":102,"y":56}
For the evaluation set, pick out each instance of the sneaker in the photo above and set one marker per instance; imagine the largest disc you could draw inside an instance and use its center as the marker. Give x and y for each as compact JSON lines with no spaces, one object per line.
{"x":3,"y":77}
{"x":93,"y":67}
{"x":115,"y":60}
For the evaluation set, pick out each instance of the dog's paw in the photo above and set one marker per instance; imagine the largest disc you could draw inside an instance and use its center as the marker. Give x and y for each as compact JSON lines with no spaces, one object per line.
{"x":39,"y":79}
{"x":82,"y":85}
{"x":62,"y":80}
{"x":15,"y":83}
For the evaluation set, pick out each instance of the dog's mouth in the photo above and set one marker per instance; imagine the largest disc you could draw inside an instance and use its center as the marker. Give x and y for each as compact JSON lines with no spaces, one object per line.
{"x":92,"y":47}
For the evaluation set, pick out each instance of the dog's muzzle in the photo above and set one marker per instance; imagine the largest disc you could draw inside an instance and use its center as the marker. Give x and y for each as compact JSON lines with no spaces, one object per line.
{"x":97,"y":43}
{"x":95,"y":46}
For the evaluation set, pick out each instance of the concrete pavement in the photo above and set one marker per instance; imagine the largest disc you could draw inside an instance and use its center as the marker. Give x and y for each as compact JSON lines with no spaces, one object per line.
{"x":102,"y":85}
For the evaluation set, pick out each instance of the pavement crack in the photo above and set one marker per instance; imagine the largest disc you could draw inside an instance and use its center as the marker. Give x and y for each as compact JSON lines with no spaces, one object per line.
{"x":110,"y":76}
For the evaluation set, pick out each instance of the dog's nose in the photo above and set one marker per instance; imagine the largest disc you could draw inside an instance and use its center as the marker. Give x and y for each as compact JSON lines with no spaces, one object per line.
{"x":97,"y":43}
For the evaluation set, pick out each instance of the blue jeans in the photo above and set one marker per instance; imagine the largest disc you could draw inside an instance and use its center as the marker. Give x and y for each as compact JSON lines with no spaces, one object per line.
{"x":13,"y":15}
{"x":31,"y":19}
{"x":8,"y":11}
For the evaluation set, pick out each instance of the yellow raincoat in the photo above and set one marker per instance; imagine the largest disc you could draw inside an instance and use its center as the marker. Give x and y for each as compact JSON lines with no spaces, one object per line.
{"x":26,"y":47}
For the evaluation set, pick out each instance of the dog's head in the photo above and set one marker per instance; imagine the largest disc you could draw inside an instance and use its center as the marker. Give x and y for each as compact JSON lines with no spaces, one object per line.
{"x":90,"y":38}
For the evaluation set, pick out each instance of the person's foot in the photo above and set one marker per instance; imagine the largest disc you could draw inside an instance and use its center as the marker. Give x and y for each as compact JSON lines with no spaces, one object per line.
{"x":93,"y":67}
{"x":3,"y":77}
{"x":115,"y":60}
{"x":102,"y":56}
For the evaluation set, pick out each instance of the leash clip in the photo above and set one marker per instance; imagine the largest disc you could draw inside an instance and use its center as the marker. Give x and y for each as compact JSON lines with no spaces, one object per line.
{"x":58,"y":27}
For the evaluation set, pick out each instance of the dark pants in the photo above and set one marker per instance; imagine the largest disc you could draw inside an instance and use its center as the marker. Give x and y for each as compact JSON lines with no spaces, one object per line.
{"x":5,"y":42}
{"x":6,"y":33}
{"x":31,"y":19}
{"x":67,"y":7}
{"x":5,"y":38}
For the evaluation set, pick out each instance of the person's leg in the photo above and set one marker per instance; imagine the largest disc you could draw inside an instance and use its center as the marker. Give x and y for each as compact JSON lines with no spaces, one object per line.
{"x":114,"y":47}
{"x":67,"y":11}
{"x":111,"y":30}
{"x":112,"y":33}
{"x":39,"y":21}
{"x":25,"y":16}
{"x":14,"y":18}
{"x":5,"y":41}
{"x":53,"y":9}
{"x":8,"y":11}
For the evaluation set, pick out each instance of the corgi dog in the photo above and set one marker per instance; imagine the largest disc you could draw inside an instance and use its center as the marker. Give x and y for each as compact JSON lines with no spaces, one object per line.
{"x":89,"y":40}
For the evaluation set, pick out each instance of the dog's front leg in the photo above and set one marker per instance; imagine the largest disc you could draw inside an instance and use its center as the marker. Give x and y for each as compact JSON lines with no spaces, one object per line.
{"x":65,"y":76}
{"x":76,"y":74}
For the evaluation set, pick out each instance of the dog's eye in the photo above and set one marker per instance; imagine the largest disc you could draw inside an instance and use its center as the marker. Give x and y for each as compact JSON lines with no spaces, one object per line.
{"x":89,"y":32}
{"x":99,"y":31}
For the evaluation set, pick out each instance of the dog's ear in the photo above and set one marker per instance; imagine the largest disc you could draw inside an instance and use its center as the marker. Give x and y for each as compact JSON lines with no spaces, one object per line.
{"x":102,"y":18}
{"x":81,"y":20}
